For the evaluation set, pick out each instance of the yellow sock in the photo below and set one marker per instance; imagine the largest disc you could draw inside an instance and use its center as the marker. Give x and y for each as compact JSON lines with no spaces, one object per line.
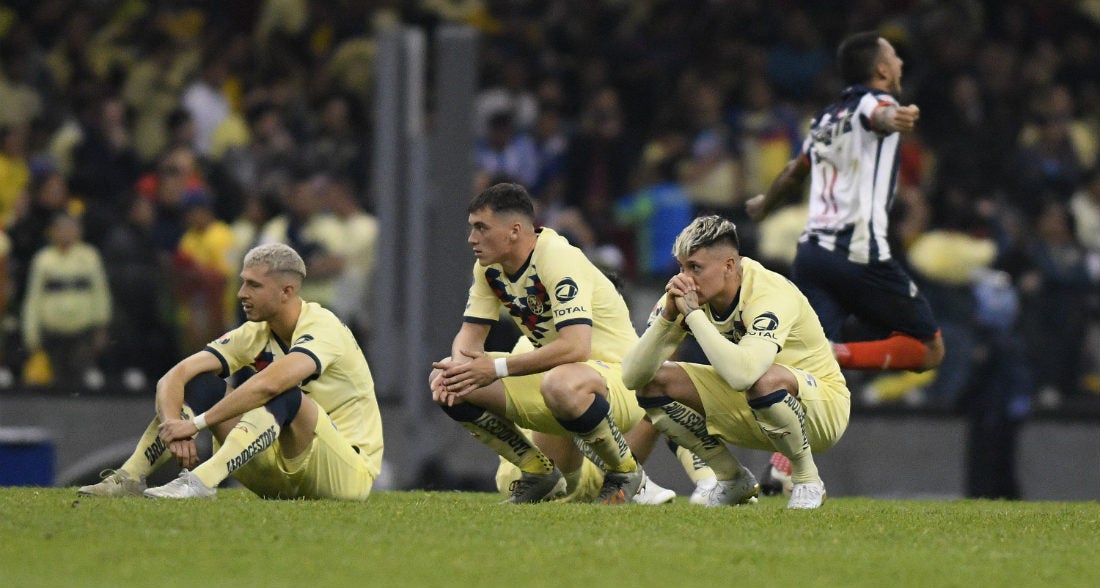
{"x":607,"y":441}
{"x":151,"y":452}
{"x":688,"y":429}
{"x":255,"y":432}
{"x":783,"y":420}
{"x":695,"y":468}
{"x":509,"y":442}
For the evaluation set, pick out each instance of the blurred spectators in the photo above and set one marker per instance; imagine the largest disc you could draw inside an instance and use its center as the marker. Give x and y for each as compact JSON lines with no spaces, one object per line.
{"x":117,"y":101}
{"x":67,"y":306}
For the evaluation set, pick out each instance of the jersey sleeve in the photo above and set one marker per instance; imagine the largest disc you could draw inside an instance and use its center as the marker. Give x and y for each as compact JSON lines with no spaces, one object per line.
{"x":571,"y":290}
{"x":321,"y":341}
{"x":771,"y":315}
{"x":869,"y":104}
{"x":482,"y":304}
{"x":236,"y":349}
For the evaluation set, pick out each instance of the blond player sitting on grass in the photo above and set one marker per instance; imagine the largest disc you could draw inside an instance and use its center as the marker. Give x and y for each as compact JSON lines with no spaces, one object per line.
{"x":306,"y":425}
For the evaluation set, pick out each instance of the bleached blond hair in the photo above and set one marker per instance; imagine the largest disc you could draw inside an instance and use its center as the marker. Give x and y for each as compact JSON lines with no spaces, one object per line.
{"x":278,"y":257}
{"x":705,"y":231}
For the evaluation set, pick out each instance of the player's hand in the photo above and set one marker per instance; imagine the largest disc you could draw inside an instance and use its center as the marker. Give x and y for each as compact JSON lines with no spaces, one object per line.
{"x":185,"y":452}
{"x":177,"y":430}
{"x":677,"y":287}
{"x":755,"y":208}
{"x":439,"y":391}
{"x":905,"y":118}
{"x":462,"y":378}
{"x":687,"y":303}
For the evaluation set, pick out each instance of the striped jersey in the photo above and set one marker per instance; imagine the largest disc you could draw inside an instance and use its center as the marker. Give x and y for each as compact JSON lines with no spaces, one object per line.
{"x":854,"y":169}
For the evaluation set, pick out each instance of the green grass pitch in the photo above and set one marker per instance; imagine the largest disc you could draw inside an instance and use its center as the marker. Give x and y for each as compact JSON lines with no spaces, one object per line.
{"x":48,"y":537}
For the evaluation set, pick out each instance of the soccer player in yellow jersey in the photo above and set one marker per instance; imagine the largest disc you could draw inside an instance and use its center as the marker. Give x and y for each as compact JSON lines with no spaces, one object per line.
{"x":306,"y":425}
{"x":570,"y":384}
{"x":772,"y":382}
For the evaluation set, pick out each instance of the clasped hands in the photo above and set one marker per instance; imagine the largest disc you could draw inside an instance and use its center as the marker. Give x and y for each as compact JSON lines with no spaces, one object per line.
{"x":179,"y":436}
{"x":457,"y":378}
{"x":681,"y":297}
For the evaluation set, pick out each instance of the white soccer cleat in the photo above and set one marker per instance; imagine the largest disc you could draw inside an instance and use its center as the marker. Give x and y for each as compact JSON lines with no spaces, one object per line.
{"x":652,"y":493}
{"x":807,"y":495}
{"x":187,"y":485}
{"x":116,"y":483}
{"x":741,"y":490}
{"x":701,"y":494}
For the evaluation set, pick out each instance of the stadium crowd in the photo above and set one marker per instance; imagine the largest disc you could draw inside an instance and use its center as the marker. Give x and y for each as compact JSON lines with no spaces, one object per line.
{"x":180,"y":134}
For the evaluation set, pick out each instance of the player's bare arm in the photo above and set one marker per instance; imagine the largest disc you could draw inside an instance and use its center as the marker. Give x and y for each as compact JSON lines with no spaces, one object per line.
{"x":573,"y":345}
{"x":895,"y":119}
{"x":280,"y":376}
{"x":786,"y":185}
{"x":169,"y":401}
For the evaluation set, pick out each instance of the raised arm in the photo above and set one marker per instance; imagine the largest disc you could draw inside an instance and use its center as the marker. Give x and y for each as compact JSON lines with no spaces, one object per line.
{"x":786,"y":185}
{"x":889,"y":118}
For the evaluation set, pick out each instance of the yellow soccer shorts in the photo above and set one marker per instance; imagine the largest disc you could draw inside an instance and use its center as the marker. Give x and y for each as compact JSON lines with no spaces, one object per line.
{"x":329,"y":468}
{"x":527,"y":408}
{"x":729,"y":417}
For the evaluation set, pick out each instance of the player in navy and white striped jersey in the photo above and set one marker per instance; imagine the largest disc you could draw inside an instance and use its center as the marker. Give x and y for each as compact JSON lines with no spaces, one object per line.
{"x":843,"y":263}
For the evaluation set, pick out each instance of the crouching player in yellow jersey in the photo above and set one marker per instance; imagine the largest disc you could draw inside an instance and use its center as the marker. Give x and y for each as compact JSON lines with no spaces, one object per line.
{"x":570,"y":384}
{"x":306,"y":425}
{"x":772,"y":382}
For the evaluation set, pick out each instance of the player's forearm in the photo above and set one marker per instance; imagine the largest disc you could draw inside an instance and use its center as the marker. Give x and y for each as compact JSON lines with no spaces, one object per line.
{"x":560,"y":352}
{"x":656,"y":345}
{"x":169,"y":402}
{"x":739,"y":365}
{"x":471,"y":337}
{"x":786,"y":185}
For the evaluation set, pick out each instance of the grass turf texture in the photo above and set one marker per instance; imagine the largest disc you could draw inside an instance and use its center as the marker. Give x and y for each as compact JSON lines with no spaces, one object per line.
{"x":48,"y":537}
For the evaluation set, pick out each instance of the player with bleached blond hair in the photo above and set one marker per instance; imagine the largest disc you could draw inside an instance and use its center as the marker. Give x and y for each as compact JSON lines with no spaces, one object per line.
{"x":772,"y":382}
{"x":305,"y":425}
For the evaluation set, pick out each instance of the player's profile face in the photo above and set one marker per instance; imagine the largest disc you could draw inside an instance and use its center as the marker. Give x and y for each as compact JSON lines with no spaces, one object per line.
{"x":259,"y":293}
{"x":889,"y":57}
{"x":488,"y":236}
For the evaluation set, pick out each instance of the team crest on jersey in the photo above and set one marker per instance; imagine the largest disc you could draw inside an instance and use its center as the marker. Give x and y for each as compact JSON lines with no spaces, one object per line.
{"x":303,"y":339}
{"x":529,"y":308}
{"x":535,"y":304}
{"x":566,"y":290}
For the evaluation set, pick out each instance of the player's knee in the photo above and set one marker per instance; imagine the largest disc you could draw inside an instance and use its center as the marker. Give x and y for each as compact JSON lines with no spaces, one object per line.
{"x":776,"y":378}
{"x":566,"y":387}
{"x":659,"y":385}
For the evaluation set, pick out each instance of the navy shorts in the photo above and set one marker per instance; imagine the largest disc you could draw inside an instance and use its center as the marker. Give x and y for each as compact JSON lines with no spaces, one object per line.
{"x":881,"y":295}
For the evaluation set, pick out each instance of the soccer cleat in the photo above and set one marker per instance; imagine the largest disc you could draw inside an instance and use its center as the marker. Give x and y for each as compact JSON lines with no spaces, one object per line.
{"x":621,"y":487}
{"x":187,"y":485}
{"x":530,"y":488}
{"x":741,"y":490}
{"x":701,"y":494}
{"x":652,"y":493}
{"x":807,"y":495}
{"x":115,"y":483}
